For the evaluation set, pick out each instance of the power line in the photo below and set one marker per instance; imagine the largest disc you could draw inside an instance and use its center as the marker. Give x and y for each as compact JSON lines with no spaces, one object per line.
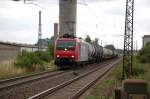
{"x":84,"y":3}
{"x":41,"y":8}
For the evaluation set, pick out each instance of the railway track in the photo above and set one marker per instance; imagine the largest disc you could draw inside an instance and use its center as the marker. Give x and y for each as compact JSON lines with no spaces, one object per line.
{"x":8,"y":83}
{"x":73,"y":88}
{"x":23,"y":87}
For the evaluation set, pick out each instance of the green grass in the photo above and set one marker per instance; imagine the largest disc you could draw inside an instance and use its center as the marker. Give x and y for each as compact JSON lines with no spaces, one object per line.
{"x":105,"y":83}
{"x":140,"y":71}
{"x":146,"y":74}
{"x":95,"y":94}
{"x":28,"y":63}
{"x":9,"y":70}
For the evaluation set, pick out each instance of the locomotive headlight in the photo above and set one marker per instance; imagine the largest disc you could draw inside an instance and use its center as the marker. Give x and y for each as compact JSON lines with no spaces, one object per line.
{"x":58,"y":56}
{"x":72,"y":56}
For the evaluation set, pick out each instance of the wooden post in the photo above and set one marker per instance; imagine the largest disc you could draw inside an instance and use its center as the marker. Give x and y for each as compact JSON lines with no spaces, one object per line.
{"x":117,"y":93}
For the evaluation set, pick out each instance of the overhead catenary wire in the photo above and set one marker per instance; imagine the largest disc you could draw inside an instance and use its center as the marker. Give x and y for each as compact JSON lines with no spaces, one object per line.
{"x":92,"y":12}
{"x":99,"y":21}
{"x":41,"y":7}
{"x":36,"y":3}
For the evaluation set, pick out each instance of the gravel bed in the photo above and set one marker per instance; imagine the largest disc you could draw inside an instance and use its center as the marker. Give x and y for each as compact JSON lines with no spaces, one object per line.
{"x":29,"y":89}
{"x":26,"y":90}
{"x":25,"y":79}
{"x":72,"y":88}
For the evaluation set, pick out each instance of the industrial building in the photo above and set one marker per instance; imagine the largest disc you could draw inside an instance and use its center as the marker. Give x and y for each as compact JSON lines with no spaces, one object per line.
{"x":12,"y":50}
{"x":146,"y":39}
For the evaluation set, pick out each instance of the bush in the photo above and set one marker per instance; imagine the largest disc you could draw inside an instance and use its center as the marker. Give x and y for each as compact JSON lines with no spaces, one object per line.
{"x":144,"y":59}
{"x":43,"y":56}
{"x":32,"y":60}
{"x":23,"y":60}
{"x":138,"y":70}
{"x":144,"y":54}
{"x":137,"y":67}
{"x":50,"y":51}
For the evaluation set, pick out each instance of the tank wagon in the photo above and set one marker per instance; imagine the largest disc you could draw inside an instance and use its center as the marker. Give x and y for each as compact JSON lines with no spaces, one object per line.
{"x":76,"y":51}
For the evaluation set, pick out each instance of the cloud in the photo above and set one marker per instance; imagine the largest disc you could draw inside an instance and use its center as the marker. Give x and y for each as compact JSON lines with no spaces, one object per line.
{"x":20,"y":21}
{"x":97,"y":0}
{"x":23,"y":36}
{"x":142,"y":17}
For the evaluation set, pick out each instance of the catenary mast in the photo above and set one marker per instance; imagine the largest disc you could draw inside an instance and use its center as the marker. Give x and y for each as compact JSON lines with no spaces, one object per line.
{"x":128,"y":40}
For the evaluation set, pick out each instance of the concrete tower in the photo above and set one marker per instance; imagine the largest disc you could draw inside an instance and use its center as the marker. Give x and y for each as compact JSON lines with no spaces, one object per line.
{"x":67,"y":17}
{"x":40,"y":33}
{"x":55,"y":31}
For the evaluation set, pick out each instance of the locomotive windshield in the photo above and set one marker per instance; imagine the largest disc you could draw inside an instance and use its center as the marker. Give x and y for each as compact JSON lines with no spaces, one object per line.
{"x":65,"y":45}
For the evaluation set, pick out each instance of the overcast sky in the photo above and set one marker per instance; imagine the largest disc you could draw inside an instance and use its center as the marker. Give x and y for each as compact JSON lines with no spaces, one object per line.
{"x":103,"y":19}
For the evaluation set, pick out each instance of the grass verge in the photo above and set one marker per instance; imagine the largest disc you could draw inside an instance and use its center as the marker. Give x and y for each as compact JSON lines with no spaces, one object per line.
{"x":9,"y":70}
{"x":140,"y":71}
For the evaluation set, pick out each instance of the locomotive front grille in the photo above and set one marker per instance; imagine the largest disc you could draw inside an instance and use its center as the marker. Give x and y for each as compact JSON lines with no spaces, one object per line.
{"x":65,"y":61}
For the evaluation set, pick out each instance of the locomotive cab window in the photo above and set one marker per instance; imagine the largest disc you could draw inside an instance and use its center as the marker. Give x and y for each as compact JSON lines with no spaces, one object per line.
{"x":66,"y":45}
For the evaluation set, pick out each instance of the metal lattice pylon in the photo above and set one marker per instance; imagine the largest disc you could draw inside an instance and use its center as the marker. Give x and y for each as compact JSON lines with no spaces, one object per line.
{"x":128,"y":40}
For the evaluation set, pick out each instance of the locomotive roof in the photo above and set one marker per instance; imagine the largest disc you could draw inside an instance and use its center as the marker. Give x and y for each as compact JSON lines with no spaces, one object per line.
{"x":68,"y":38}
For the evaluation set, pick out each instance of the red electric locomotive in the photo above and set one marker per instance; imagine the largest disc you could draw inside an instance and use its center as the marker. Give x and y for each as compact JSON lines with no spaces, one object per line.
{"x":66,"y":51}
{"x":71,"y":51}
{"x":75,"y":51}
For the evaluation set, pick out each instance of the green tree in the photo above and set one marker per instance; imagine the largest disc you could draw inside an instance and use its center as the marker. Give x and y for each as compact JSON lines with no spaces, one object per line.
{"x":144,"y":54}
{"x":15,"y":0}
{"x":88,"y":39}
{"x":110,"y":47}
{"x":96,"y":40}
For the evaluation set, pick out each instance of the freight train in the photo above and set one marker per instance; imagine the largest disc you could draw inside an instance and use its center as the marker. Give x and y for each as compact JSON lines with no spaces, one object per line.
{"x":70,"y":51}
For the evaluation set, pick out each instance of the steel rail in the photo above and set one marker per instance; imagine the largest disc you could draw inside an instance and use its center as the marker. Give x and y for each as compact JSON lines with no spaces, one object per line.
{"x":26,"y":76}
{"x":86,"y":87}
{"x":56,"y":88}
{"x":22,"y":80}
